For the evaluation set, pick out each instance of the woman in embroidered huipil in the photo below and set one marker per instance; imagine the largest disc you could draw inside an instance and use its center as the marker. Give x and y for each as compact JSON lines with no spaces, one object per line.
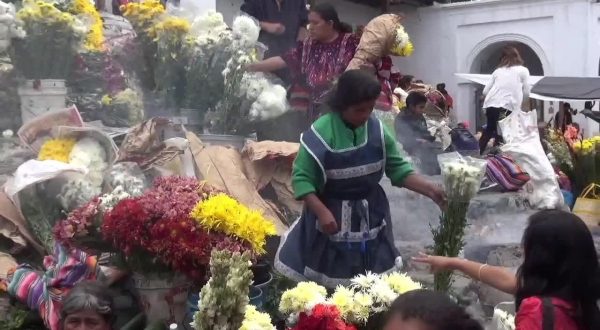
{"x":317,"y":61}
{"x":345,"y":228}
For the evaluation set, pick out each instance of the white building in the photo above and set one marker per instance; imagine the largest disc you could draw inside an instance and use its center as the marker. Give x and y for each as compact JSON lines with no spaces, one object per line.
{"x":556,"y":38}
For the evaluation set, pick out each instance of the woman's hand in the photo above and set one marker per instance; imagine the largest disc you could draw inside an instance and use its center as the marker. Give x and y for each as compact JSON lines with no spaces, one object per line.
{"x":437,"y":263}
{"x":438,"y":195}
{"x":273,"y":28}
{"x":324,"y":216}
{"x":419,"y":184}
{"x":327,"y":222}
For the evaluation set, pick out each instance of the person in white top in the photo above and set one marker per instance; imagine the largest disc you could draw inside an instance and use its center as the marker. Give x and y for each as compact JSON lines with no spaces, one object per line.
{"x":504,"y":93}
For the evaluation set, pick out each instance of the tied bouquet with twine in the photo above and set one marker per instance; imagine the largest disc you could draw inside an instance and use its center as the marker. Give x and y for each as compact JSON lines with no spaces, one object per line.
{"x":462,"y":180}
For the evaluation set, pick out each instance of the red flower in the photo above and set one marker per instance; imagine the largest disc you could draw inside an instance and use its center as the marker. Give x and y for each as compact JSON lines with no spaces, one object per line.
{"x":80,"y":223}
{"x":322,"y":317}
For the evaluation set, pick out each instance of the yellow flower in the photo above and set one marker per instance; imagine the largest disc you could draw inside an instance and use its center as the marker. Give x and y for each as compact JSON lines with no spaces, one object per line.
{"x":343,"y":299}
{"x":255,"y":320}
{"x":95,"y":38}
{"x":171,"y":27}
{"x":143,"y":15}
{"x":224,"y":214}
{"x":408,"y":50}
{"x":401,"y":283}
{"x":106,"y":100}
{"x":57,"y":149}
{"x":302,"y":298}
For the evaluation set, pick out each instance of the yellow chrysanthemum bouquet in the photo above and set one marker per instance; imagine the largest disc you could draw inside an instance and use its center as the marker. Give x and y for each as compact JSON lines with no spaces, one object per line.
{"x":223,"y":214}
{"x":170,"y":35}
{"x":52,"y":38}
{"x":587,"y":162}
{"x":85,"y":10}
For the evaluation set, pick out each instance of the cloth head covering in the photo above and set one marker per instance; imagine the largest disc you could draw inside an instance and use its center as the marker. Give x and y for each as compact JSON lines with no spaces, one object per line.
{"x":377,"y":40}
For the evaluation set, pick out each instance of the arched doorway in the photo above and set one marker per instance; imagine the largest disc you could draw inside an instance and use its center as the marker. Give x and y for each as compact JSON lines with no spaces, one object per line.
{"x":486,"y":61}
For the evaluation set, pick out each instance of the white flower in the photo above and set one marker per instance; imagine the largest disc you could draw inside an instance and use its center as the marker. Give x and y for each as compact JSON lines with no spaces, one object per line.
{"x":402,"y":38}
{"x":246,"y":31}
{"x":77,"y":191}
{"x":364,"y":282}
{"x":383,"y":294}
{"x":90,"y":154}
{"x":271,"y":103}
{"x":504,"y":320}
{"x":211,"y":23}
{"x":7,"y":133}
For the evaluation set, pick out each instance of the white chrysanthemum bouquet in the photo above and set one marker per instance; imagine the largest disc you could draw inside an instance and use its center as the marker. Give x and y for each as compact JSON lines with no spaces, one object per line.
{"x":217,"y":80}
{"x":462,"y":180}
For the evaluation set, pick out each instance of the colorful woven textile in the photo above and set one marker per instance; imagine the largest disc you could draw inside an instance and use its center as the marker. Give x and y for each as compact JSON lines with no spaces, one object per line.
{"x":43,"y":291}
{"x":504,"y":171}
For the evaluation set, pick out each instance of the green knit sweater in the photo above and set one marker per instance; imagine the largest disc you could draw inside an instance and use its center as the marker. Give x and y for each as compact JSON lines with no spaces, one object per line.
{"x":307,"y":177}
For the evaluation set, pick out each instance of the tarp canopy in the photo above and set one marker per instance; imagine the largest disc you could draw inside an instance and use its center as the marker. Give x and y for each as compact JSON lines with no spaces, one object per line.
{"x":573,"y":88}
{"x":483,"y":79}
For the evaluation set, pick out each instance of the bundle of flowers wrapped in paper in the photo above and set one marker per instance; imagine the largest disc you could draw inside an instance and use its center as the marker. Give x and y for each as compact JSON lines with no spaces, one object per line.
{"x":462,"y":180}
{"x":362,"y":304}
{"x":68,"y":174}
{"x":383,"y":36}
{"x":51,"y":40}
{"x":81,"y":228}
{"x":87,"y":153}
{"x":587,"y":162}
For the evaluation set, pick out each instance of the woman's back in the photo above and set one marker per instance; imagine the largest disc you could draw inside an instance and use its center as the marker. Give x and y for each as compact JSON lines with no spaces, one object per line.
{"x":531,"y":315}
{"x":507,"y":88}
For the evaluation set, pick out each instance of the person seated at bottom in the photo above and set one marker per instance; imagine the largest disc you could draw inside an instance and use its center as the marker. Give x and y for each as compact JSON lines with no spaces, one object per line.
{"x":428,"y":310}
{"x":87,"y":306}
{"x":412,"y":133}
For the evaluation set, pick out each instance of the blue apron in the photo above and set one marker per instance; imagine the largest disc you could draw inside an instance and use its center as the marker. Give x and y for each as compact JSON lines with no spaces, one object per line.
{"x":358,"y":203}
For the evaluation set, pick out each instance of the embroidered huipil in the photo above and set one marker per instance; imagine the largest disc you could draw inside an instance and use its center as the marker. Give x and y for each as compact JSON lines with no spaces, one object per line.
{"x":315,"y":65}
{"x":343,"y":166}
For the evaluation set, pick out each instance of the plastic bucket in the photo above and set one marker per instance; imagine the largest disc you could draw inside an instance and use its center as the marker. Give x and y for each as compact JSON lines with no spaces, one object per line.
{"x":41,"y":96}
{"x":265,"y":286}
{"x":257,"y":298}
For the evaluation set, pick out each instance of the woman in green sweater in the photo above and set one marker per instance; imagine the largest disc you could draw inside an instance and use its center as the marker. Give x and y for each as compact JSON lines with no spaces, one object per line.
{"x":345,"y":229}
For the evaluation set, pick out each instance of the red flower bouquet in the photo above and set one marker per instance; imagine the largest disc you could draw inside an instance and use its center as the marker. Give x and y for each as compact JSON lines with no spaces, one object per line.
{"x":81,"y":228}
{"x":322,"y":317}
{"x":156,"y":229}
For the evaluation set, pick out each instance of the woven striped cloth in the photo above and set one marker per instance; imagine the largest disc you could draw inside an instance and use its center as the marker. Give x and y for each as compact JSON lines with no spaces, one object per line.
{"x":43,"y":291}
